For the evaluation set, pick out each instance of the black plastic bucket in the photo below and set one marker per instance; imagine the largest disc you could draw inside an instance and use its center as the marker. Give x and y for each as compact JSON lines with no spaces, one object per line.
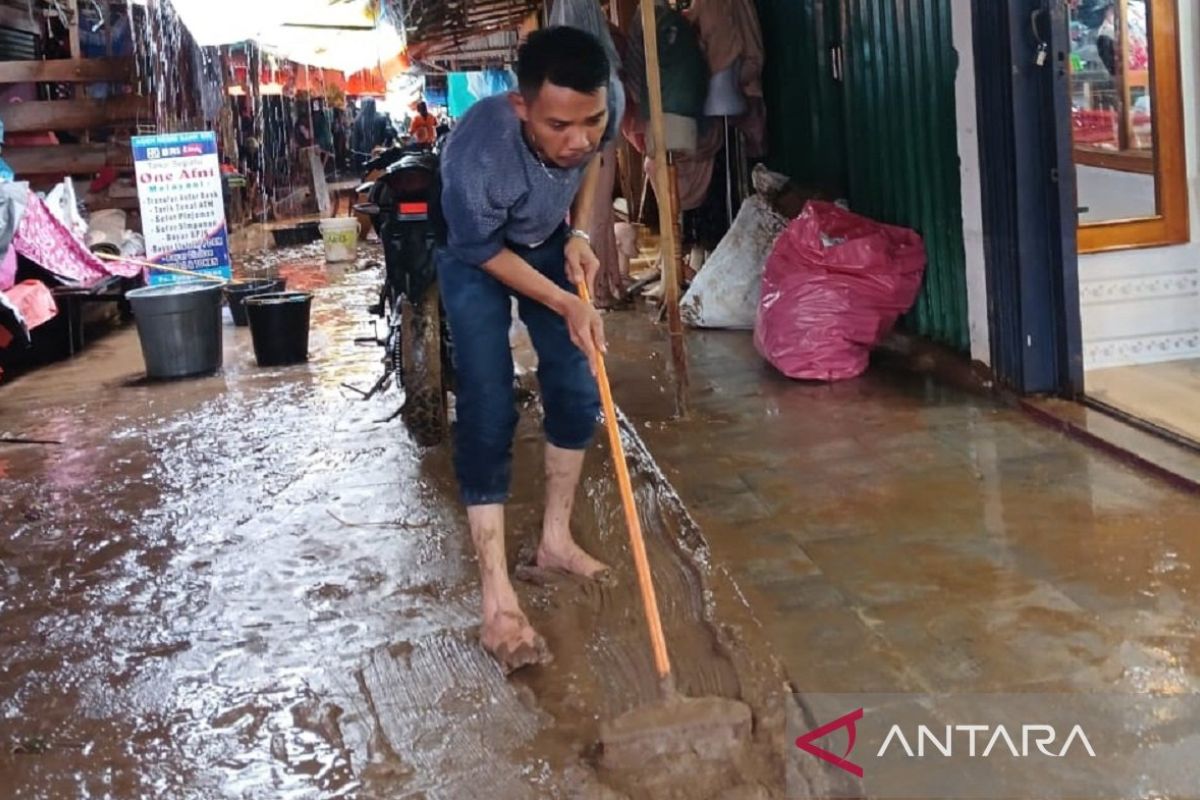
{"x":237,"y":292}
{"x":301,"y":234}
{"x":279,"y":327}
{"x":179,"y":326}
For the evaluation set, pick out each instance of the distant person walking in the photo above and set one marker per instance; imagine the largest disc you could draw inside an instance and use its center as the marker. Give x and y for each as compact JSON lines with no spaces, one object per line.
{"x":423,"y":128}
{"x":370,"y":131}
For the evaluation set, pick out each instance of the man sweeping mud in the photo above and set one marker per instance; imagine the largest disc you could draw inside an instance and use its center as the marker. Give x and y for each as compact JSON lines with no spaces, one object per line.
{"x":513,"y":170}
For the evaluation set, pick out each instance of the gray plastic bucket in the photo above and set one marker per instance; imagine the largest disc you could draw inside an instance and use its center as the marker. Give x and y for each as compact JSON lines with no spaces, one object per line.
{"x":179,"y":326}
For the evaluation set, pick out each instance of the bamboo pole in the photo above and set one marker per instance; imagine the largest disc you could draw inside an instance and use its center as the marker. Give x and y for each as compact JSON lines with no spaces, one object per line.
{"x":668,"y":213}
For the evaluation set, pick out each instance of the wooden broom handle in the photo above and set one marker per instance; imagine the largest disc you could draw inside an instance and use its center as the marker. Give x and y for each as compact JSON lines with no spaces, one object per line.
{"x":152,"y":265}
{"x":637,"y":543}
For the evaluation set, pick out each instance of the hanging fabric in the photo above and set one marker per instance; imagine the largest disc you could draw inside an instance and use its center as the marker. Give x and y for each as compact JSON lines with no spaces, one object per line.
{"x":731,"y":37}
{"x":681,"y":63}
{"x":587,"y":15}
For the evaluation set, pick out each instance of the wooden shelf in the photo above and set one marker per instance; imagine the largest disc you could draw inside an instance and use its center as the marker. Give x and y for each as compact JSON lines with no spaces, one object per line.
{"x":68,"y":70}
{"x":1139,"y":161}
{"x":68,"y":159}
{"x":75,"y":115}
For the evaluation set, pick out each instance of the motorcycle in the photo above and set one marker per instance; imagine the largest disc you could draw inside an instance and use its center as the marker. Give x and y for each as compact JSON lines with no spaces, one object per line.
{"x":404,"y":207}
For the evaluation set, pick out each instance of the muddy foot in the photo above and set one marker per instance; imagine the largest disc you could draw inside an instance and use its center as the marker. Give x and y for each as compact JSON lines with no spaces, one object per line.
{"x":513,"y":642}
{"x":572,"y":559}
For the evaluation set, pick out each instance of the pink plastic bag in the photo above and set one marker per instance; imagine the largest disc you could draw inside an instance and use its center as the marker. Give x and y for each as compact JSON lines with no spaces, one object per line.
{"x":834,"y":286}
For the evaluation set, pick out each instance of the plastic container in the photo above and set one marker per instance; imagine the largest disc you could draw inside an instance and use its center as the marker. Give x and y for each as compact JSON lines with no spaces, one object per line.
{"x":237,"y":292}
{"x":301,"y":234}
{"x":341,"y":238}
{"x":179,"y":327}
{"x":106,"y":231}
{"x":279,"y":327}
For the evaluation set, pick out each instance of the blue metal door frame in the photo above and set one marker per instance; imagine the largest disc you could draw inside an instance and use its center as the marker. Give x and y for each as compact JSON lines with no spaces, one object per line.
{"x":1028,"y":184}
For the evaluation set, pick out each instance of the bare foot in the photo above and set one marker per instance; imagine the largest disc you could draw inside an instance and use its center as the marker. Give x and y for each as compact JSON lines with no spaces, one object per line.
{"x":513,"y":642}
{"x":569,"y":557}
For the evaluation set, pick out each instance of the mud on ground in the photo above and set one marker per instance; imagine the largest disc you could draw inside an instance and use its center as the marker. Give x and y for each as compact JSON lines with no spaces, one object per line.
{"x":254,"y":585}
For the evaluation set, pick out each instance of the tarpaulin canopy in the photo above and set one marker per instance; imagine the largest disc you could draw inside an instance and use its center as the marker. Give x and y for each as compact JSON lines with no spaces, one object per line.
{"x":346,"y":35}
{"x":282,"y":76}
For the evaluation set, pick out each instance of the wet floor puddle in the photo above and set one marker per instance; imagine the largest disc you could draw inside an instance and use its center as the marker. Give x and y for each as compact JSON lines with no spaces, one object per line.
{"x":253,"y":585}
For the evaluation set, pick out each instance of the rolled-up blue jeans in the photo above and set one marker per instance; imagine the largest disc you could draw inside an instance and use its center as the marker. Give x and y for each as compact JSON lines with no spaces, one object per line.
{"x":479,"y":309}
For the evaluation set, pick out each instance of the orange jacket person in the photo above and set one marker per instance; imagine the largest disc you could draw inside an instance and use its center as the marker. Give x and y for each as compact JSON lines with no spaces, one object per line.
{"x":423,"y":128}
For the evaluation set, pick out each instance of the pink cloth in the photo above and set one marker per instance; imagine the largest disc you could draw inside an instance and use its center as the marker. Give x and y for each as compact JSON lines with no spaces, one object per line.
{"x":43,"y":239}
{"x":35,"y":304}
{"x":8,"y":269}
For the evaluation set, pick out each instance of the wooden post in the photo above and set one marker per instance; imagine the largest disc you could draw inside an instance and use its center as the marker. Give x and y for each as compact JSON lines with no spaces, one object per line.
{"x":73,"y":28}
{"x":668,"y":213}
{"x":76,"y":52}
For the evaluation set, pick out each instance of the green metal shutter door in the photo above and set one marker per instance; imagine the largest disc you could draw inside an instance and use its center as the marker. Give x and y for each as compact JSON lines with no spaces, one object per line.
{"x":805,"y":119}
{"x":902,"y":148}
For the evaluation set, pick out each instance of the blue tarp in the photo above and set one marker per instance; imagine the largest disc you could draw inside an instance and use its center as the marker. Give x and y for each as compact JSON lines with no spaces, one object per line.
{"x":468,"y":88}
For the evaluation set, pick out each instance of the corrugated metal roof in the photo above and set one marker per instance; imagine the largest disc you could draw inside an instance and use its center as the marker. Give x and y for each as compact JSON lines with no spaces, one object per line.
{"x":442,"y":25}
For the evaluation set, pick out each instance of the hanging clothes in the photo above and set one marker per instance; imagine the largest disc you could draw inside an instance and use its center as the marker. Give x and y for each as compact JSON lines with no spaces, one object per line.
{"x":682,"y":65}
{"x":719,"y":36}
{"x":588,"y":16}
{"x":323,"y":130}
{"x":731,"y":36}
{"x":694,"y":170}
{"x":370,"y":131}
{"x":610,"y":281}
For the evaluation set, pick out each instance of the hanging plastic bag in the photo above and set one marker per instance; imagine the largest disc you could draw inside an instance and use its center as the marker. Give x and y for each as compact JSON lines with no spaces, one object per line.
{"x":725,"y":292}
{"x":834,"y":286}
{"x":64,"y":205}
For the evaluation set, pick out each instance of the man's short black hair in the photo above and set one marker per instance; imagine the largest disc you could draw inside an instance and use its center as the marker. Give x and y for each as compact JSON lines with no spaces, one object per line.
{"x":564,"y":56}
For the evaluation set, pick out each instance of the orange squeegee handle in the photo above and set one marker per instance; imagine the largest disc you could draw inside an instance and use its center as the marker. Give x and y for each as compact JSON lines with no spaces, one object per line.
{"x":637,"y":543}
